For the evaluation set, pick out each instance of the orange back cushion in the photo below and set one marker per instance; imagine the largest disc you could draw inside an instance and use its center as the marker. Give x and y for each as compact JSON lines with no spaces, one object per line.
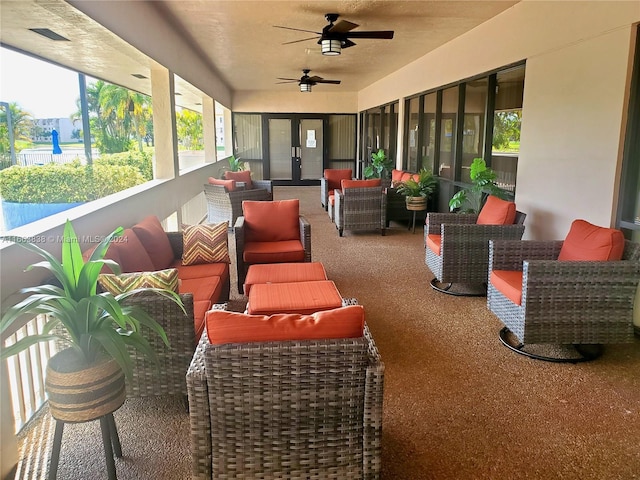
{"x":232,"y":327}
{"x":229,"y":185}
{"x":586,"y":241}
{"x":244,"y":176}
{"x":374,"y":182}
{"x":497,"y":212}
{"x":271,"y":221}
{"x":133,"y":256}
{"x":335,"y":175}
{"x":396,"y":175}
{"x":155,"y":241}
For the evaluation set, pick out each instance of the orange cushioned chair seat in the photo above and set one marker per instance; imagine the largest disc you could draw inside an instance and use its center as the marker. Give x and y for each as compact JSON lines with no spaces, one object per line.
{"x":232,"y":327}
{"x":273,"y":252}
{"x":509,"y":283}
{"x":201,"y":270}
{"x":433,"y":243}
{"x":202,"y":288}
{"x":332,"y":199}
{"x":335,"y":175}
{"x":284,"y":273}
{"x":301,"y":297}
{"x":497,"y":212}
{"x":588,"y":242}
{"x":200,"y":310}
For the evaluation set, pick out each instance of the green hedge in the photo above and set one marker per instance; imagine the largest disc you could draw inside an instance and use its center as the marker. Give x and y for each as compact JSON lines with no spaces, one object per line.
{"x":66,"y":183}
{"x":141,"y":160}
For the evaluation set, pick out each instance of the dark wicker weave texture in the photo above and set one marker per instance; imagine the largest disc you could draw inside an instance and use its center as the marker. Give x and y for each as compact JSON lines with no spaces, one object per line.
{"x":361,"y":209}
{"x":464,"y":251}
{"x":223,"y":206}
{"x":294,"y":410}
{"x":242,"y":267}
{"x":566,"y":302}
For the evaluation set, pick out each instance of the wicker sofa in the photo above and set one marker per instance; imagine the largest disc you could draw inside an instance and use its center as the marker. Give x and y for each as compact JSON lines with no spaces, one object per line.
{"x":294,"y":409}
{"x":144,"y":248}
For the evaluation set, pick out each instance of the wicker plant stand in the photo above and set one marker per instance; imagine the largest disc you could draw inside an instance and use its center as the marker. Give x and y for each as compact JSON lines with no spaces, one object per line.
{"x":77,"y":396}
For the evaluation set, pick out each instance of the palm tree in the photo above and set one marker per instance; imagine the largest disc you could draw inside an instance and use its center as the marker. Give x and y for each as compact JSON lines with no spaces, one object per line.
{"x":21,"y":121}
{"x":128,"y":107}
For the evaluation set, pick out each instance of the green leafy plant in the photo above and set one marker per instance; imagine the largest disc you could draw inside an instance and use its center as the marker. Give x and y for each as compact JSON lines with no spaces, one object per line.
{"x":471,"y":199}
{"x":65,"y":183}
{"x":96,"y":323}
{"x":380,"y":166}
{"x":424,"y":187}
{"x":236,"y":165}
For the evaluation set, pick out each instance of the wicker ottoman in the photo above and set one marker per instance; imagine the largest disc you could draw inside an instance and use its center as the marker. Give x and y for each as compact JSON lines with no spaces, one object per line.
{"x":297,"y":297}
{"x":284,"y":273}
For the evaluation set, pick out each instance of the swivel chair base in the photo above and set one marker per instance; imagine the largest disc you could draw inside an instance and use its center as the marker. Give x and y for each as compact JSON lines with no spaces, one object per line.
{"x":585,"y":353}
{"x":477,"y":291}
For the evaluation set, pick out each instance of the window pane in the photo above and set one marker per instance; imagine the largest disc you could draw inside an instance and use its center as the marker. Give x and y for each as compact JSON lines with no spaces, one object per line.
{"x":473,"y":132}
{"x":448,"y":131}
{"x":412,"y":134}
{"x":428,"y":130}
{"x":506,"y":126}
{"x":342,"y":130}
{"x":248,"y":136}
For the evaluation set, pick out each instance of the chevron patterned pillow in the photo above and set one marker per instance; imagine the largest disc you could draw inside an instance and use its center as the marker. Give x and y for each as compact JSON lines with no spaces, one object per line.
{"x":205,"y":243}
{"x":116,"y":284}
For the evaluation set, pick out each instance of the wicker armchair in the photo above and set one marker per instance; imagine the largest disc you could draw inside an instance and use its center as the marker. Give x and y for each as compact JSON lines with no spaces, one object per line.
{"x":330,"y":181}
{"x":361,"y":208}
{"x":223,"y":206}
{"x":464,"y":249}
{"x":293,"y":409}
{"x":269,"y":251}
{"x":563,"y":302}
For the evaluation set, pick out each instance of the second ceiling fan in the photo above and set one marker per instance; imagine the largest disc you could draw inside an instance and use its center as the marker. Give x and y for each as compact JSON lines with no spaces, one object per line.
{"x":306,"y":82}
{"x":336,"y":36}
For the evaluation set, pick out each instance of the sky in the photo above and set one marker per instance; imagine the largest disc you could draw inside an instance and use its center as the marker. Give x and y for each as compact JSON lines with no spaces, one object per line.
{"x":40,"y":88}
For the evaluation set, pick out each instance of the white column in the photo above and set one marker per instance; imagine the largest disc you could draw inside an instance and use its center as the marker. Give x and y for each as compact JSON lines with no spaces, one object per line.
{"x":164,"y":124}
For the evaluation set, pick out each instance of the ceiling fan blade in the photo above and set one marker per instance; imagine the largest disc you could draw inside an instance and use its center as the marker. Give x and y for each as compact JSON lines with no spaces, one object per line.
{"x":343,"y":26}
{"x":289,"y":79}
{"x":315,"y":78}
{"x":333,"y":82}
{"x":298,"y":29}
{"x":384,"y":34}
{"x":301,"y":40}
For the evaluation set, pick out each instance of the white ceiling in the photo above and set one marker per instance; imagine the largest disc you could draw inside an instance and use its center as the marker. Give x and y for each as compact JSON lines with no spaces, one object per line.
{"x":239,"y":39}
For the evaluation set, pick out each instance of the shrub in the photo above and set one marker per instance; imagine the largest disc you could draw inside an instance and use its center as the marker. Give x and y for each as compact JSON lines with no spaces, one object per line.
{"x":142,"y":161}
{"x":65,"y":183}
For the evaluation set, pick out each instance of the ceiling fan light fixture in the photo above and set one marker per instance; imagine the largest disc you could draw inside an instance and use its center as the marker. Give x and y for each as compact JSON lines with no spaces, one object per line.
{"x":331,"y":46}
{"x":305,"y":87}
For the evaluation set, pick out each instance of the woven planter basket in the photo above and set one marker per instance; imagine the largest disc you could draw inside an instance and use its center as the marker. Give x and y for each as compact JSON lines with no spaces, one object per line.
{"x":80,"y":393}
{"x":416,"y":203}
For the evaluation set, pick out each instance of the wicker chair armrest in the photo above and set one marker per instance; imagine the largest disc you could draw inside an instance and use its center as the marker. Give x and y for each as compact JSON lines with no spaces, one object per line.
{"x":237,"y":196}
{"x":456,"y":235}
{"x":600,"y":289}
{"x":177,"y":244}
{"x":435,"y":219}
{"x":305,"y":237}
{"x":510,"y":254}
{"x":264,"y":185}
{"x":373,"y":403}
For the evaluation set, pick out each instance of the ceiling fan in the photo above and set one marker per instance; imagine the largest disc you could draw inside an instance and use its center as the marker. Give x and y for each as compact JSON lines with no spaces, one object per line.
{"x":336,"y":36}
{"x":306,"y":82}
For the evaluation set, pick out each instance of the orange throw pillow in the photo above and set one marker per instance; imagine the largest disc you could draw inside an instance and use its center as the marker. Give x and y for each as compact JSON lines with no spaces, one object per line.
{"x":155,"y":241}
{"x":244,"y":176}
{"x":271,"y":221}
{"x":497,"y":212}
{"x":232,"y":327}
{"x":229,"y":185}
{"x":586,"y":242}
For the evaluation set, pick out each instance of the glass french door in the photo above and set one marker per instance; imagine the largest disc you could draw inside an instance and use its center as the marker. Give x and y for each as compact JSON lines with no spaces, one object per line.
{"x":295,"y":148}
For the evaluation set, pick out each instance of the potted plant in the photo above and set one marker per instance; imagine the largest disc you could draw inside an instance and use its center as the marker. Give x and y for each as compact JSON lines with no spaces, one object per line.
{"x":236,"y":165}
{"x":471,"y":199}
{"x":380,"y":166}
{"x":418,"y":192}
{"x":98,"y":327}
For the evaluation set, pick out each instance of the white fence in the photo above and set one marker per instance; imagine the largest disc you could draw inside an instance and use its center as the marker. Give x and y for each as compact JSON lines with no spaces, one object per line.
{"x":32,"y":156}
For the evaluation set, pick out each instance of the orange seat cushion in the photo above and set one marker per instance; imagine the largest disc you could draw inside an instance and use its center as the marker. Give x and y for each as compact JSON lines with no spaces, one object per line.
{"x":497,"y":212}
{"x":200,"y":309}
{"x":509,"y":283}
{"x":374,"y":182}
{"x":201,"y":270}
{"x":335,"y":175}
{"x":271,"y":221}
{"x":202,"y":288}
{"x":133,"y":256}
{"x":232,"y":327}
{"x":229,"y":185}
{"x":332,"y":199}
{"x":273,"y":252}
{"x":433,"y":243}
{"x":587,"y":242}
{"x":155,"y":241}
{"x":284,"y":273}
{"x":301,"y":297}
{"x":243,"y":176}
